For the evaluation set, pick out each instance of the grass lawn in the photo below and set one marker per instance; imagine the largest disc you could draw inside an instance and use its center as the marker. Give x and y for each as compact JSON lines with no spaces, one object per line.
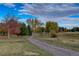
{"x":68,"y":40}
{"x":19,"y":46}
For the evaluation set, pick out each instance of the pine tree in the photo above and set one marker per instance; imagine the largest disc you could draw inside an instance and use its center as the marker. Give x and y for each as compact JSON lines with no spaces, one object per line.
{"x":29,"y":30}
{"x":23,"y":29}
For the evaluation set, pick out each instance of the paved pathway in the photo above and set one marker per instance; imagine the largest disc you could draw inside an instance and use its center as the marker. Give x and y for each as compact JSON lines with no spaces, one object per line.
{"x":53,"y":50}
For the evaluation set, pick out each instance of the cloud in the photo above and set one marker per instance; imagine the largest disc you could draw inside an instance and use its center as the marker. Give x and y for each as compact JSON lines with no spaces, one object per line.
{"x":22,"y":20}
{"x":70,"y":25}
{"x":9,"y":5}
{"x":71,"y":19}
{"x":59,"y":20}
{"x":51,"y":10}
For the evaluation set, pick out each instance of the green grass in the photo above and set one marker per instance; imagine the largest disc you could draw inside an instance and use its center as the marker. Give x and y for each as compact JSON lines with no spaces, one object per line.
{"x":67,"y":40}
{"x":19,"y":46}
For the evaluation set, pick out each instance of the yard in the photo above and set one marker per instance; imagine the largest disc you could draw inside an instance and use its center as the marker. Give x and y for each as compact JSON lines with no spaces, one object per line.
{"x":16,"y":46}
{"x":69,"y":40}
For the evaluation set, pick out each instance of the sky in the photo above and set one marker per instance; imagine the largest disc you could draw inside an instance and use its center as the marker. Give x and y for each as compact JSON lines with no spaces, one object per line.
{"x":65,"y":14}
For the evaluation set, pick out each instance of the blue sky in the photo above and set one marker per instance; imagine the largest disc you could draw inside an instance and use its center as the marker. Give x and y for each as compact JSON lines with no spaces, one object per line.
{"x":65,"y":14}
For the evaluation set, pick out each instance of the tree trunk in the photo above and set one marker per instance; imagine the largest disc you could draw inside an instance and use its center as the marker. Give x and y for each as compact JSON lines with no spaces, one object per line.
{"x":8,"y":34}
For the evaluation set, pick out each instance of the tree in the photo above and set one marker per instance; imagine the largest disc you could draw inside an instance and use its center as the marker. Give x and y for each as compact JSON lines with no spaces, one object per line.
{"x":2,"y":29}
{"x":51,"y":26}
{"x":29,"y":30}
{"x":23,"y":29}
{"x":40,"y":30}
{"x":74,"y":29}
{"x":61,"y":29}
{"x":11,"y":24}
{"x":34,"y":23}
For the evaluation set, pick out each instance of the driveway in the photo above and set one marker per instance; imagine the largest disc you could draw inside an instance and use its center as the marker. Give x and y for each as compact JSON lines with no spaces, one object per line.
{"x":53,"y":50}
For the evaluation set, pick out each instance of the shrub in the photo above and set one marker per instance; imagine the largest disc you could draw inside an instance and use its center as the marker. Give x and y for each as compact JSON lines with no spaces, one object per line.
{"x":53,"y":34}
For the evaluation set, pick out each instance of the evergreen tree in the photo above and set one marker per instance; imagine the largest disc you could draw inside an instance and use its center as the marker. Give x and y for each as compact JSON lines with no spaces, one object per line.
{"x":23,"y":29}
{"x":29,"y":30}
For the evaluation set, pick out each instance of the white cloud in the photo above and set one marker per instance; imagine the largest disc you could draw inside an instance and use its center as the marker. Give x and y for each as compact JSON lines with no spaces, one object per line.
{"x":51,"y":10}
{"x":9,"y":5}
{"x":72,"y":19}
{"x":60,"y":19}
{"x":70,"y":24}
{"x":22,"y":20}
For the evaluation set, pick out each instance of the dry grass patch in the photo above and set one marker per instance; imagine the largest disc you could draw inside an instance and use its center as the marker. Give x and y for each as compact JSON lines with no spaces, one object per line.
{"x":19,"y":46}
{"x":68,"y":40}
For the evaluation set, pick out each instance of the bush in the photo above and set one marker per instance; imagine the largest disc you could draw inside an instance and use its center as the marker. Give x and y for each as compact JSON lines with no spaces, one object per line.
{"x":3,"y":33}
{"x":53,"y":34}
